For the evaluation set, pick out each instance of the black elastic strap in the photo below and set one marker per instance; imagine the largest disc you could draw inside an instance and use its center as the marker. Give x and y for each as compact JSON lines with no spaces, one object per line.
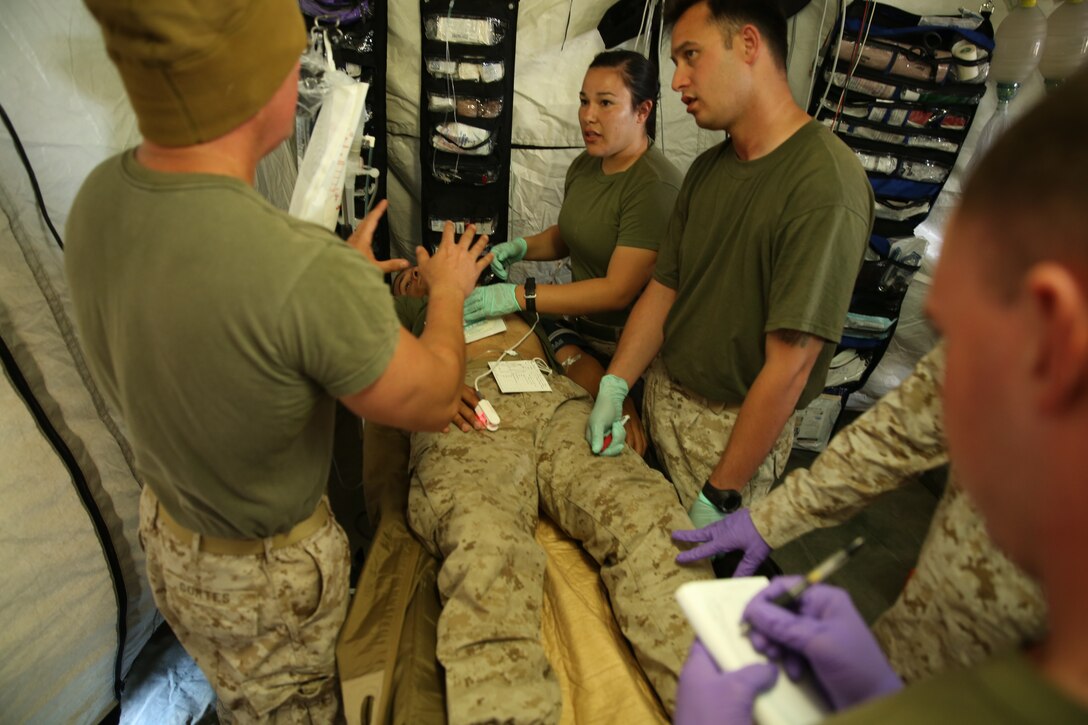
{"x":30,"y":172}
{"x":530,"y":295}
{"x":21,"y":385}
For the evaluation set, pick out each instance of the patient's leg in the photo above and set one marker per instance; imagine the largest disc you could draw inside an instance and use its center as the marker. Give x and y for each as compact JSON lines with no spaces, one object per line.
{"x":474,"y":496}
{"x":623,"y":512}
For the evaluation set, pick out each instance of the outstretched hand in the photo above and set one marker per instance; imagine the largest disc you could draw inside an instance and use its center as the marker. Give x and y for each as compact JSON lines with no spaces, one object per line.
{"x":362,"y":240}
{"x":455,"y":262}
{"x":735,"y":532}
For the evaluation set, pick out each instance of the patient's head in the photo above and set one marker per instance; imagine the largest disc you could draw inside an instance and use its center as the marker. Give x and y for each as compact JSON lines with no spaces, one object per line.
{"x":410,"y":283}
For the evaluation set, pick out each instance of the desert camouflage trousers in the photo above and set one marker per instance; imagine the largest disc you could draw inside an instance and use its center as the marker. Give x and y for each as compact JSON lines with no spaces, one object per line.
{"x":262,"y":627}
{"x":965,"y":601}
{"x":474,"y":499}
{"x":690,"y":433}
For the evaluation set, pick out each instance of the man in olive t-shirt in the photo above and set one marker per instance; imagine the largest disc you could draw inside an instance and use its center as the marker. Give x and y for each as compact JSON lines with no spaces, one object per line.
{"x":755,"y":273}
{"x":223,"y":331}
{"x":1010,"y":296}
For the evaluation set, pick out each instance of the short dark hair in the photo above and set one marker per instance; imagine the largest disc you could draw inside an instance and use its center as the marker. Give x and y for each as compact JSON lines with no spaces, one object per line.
{"x":1028,"y":188}
{"x":639,"y":75}
{"x":766,"y":15}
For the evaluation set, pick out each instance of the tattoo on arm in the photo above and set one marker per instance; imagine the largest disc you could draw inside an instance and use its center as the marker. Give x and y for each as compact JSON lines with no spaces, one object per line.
{"x":795,"y":338}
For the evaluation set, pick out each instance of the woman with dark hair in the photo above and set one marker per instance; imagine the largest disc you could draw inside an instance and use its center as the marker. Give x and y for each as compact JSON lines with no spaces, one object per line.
{"x":618,"y":198}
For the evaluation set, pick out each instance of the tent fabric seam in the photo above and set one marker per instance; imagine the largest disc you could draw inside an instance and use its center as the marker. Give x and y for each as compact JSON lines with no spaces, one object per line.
{"x":79,"y":482}
{"x":71,"y":341}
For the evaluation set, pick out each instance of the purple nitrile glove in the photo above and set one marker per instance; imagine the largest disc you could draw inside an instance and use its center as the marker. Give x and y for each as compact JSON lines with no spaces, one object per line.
{"x":705,"y":694}
{"x":830,"y":634}
{"x":735,"y":532}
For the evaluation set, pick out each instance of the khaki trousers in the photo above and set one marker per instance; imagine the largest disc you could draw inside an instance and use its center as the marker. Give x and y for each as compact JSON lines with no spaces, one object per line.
{"x":690,"y":433}
{"x":474,"y":500}
{"x":261,"y":627}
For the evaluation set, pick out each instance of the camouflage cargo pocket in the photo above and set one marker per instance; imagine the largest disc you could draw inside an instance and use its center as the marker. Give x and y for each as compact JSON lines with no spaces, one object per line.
{"x":214,"y":613}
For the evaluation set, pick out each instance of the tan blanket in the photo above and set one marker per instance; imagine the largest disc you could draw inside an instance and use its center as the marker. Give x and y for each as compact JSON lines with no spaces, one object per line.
{"x":600,"y":678}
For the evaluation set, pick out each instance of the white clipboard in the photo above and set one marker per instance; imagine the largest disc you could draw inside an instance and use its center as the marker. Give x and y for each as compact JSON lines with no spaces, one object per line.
{"x":714,"y":609}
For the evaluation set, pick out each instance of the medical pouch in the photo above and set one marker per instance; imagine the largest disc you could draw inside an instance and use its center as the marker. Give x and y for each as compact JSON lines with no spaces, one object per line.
{"x":463,"y":30}
{"x":352,"y":38}
{"x":886,"y":272}
{"x":466,"y":119}
{"x":468,"y":68}
{"x":905,"y":124}
{"x":465,"y":170}
{"x":465,"y":107}
{"x":880,"y":158}
{"x":936,"y":48}
{"x":901,"y":90}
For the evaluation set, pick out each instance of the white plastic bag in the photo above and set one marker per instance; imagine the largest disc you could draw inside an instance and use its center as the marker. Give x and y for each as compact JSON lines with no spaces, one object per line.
{"x":320,"y":186}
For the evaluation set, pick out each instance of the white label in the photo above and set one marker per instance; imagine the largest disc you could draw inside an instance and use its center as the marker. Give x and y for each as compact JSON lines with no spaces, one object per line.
{"x":484,"y":328}
{"x":522,"y":376}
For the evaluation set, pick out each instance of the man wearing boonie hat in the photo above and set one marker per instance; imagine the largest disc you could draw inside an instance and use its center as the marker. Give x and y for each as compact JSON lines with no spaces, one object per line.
{"x":224,"y":331}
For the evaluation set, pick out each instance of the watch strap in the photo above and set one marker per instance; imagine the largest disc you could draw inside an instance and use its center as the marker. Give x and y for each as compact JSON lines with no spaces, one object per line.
{"x":530,"y":295}
{"x":726,"y":500}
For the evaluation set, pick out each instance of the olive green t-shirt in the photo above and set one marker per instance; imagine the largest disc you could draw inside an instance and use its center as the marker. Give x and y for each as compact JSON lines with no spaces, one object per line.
{"x":222,"y":330}
{"x":603,"y":211}
{"x":412,"y":313}
{"x":756,"y":246}
{"x":1005,"y":689}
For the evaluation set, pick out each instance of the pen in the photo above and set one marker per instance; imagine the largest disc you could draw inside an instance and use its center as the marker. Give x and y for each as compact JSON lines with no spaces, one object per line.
{"x":608,"y":438}
{"x":789,"y":598}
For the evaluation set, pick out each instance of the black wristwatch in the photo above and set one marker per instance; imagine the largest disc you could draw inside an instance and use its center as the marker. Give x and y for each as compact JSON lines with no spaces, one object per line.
{"x":726,"y":500}
{"x":530,"y":295}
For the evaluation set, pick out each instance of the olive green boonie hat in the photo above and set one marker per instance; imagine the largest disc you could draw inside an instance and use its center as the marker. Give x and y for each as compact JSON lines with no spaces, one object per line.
{"x":196,"y":69}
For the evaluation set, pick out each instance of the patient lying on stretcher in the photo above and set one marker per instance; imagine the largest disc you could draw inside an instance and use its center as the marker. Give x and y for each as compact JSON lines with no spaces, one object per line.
{"x":564,"y":344}
{"x":475,"y":498}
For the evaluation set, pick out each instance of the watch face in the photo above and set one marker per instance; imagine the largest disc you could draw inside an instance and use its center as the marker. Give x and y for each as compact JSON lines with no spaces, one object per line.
{"x":725,"y":500}
{"x":732,"y":500}
{"x":487,"y":276}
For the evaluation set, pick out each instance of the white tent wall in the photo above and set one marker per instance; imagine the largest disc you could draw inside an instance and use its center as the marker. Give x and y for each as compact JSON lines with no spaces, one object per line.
{"x":67,"y":104}
{"x":59,"y":604}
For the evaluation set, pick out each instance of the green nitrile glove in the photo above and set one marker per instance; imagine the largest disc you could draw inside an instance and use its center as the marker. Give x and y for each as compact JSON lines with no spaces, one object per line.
{"x":704,"y":513}
{"x":607,"y":417}
{"x":506,"y":254}
{"x":495,"y":300}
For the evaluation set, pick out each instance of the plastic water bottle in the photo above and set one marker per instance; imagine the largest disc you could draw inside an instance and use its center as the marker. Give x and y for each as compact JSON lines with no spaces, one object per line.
{"x":1066,"y":45}
{"x":1018,"y":45}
